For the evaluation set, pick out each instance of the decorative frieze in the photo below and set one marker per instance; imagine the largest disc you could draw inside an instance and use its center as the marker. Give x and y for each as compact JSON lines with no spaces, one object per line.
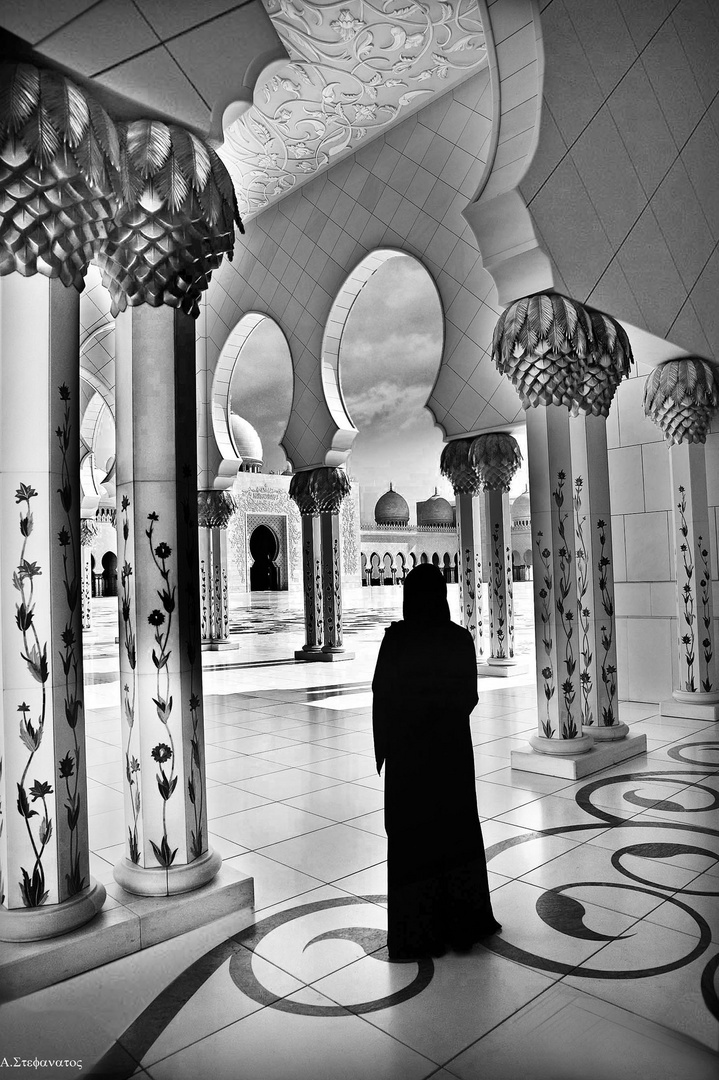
{"x":355,"y":66}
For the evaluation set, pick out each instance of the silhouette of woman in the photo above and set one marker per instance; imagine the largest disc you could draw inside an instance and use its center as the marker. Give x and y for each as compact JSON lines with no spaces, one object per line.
{"x":425,"y":687}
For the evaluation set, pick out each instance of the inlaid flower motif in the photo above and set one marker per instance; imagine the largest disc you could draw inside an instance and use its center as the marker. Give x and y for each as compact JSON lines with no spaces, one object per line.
{"x":346,"y":25}
{"x":156,"y":618}
{"x":161,"y":753}
{"x":365,"y":112}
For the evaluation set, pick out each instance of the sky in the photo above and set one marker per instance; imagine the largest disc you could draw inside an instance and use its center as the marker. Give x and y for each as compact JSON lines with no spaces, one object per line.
{"x":261,"y":389}
{"x":389,"y":357}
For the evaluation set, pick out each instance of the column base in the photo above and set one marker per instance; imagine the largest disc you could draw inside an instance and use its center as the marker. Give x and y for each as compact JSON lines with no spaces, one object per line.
{"x":561,"y":747}
{"x":605,"y":733}
{"x":500,"y":669}
{"x":323,"y":657}
{"x":51,"y":920}
{"x":132,"y":924}
{"x":691,"y":706}
{"x":575,"y":767}
{"x":219,"y":646}
{"x":158,"y":881}
{"x":309,"y":652}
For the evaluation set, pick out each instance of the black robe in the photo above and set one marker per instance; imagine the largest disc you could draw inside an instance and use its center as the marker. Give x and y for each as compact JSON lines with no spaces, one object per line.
{"x":425,"y":687}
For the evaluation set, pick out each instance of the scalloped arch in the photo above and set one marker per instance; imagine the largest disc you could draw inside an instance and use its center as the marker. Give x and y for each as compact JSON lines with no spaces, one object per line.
{"x":329,"y":432}
{"x":228,"y":461}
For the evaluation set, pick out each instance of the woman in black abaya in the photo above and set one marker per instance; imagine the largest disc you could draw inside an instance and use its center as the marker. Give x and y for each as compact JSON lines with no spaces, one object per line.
{"x":425,"y":687}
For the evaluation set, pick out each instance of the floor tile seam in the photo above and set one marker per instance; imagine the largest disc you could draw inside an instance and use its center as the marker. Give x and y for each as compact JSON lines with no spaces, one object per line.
{"x":296,"y":836}
{"x":674,"y":1032}
{"x":216,"y":1031}
{"x":514,"y":1012}
{"x":259,"y":850}
{"x":680,"y":896}
{"x":236,"y":784}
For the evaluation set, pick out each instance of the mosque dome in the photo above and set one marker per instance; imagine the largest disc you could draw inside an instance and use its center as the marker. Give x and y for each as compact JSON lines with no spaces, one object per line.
{"x":520,"y":508}
{"x":391,"y":509}
{"x":247,"y":442}
{"x":435,"y":511}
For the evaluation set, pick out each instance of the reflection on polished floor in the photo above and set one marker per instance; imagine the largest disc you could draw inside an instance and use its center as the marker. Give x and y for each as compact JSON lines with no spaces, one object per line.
{"x":607,"y":889}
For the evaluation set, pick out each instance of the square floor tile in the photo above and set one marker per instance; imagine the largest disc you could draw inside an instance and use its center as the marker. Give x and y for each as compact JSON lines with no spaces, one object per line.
{"x":267,"y":824}
{"x":334,"y":853}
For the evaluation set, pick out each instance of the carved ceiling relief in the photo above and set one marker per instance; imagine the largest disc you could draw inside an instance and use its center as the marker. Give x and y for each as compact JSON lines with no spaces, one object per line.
{"x":355,"y":67}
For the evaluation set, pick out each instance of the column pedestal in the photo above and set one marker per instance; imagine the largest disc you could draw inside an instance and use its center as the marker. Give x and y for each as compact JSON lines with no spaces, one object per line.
{"x":575,"y":766}
{"x":697,"y":706}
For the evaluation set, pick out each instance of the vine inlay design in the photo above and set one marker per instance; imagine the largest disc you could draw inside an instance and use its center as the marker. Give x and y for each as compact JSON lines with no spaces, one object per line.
{"x":355,"y":66}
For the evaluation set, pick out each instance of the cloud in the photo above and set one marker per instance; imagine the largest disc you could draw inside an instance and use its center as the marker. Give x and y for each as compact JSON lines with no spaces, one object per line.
{"x":386,"y":403}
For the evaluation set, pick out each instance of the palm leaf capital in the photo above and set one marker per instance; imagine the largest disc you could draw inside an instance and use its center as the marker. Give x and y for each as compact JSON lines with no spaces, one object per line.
{"x":557,"y":351}
{"x":496,"y":457}
{"x":681,"y":396}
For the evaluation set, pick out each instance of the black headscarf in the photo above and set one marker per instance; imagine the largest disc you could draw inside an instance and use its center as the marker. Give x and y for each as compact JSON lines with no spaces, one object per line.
{"x":425,"y":596}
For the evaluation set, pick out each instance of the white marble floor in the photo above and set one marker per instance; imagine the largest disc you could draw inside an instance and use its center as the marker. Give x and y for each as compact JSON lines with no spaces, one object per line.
{"x":607,"y":889}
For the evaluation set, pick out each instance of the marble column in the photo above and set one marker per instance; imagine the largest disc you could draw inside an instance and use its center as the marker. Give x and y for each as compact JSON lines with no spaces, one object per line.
{"x":45,"y":883}
{"x":566,"y":361}
{"x":554,"y":583}
{"x":594,"y":561}
{"x":331,"y":486}
{"x":215,"y":509}
{"x":496,"y":457}
{"x":456,"y":466}
{"x":56,"y":202}
{"x":160,"y":646}
{"x":88,"y":532}
{"x":155,"y":263}
{"x":682,"y":396}
{"x":302,"y":491}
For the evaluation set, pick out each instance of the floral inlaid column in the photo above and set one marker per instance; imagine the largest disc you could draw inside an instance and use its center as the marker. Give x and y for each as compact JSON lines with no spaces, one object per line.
{"x":596,"y":622}
{"x":88,"y":532}
{"x":169,"y":234}
{"x":566,"y":361}
{"x":56,"y":148}
{"x":214,"y":509}
{"x":455,"y":464}
{"x":331,"y":485}
{"x":682,"y":396}
{"x":496,"y":457}
{"x":302,"y":490}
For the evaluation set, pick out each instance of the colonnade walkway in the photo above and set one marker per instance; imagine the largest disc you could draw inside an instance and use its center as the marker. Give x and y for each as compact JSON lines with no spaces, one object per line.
{"x":607,"y":889}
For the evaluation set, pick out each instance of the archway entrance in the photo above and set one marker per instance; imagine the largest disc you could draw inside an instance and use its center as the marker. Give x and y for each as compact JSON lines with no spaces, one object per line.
{"x":264,"y":549}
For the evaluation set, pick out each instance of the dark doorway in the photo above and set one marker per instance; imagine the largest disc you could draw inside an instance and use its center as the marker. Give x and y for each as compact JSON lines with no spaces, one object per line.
{"x":264,"y":549}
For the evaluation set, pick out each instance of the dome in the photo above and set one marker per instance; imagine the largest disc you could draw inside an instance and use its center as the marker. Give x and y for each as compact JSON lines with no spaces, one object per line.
{"x":391,"y":509}
{"x":247,"y":442}
{"x":435,"y":511}
{"x":520,"y":508}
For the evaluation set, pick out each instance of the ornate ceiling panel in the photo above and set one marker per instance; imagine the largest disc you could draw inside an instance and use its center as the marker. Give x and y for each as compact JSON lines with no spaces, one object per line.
{"x":355,"y":67}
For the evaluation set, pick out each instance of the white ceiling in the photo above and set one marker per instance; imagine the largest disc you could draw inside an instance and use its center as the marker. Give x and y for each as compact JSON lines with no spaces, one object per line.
{"x":300,"y":83}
